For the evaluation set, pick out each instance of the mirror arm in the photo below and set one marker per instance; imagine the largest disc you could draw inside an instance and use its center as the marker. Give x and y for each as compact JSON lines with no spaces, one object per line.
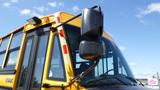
{"x":53,"y":28}
{"x":80,"y":76}
{"x":89,"y":69}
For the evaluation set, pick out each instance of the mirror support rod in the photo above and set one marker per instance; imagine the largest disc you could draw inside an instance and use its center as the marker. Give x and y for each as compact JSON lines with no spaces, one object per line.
{"x":84,"y":73}
{"x":54,"y":28}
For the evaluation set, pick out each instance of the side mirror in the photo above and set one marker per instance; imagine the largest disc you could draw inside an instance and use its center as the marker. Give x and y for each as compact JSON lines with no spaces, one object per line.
{"x":92,"y":24}
{"x":91,"y":31}
{"x":90,"y":50}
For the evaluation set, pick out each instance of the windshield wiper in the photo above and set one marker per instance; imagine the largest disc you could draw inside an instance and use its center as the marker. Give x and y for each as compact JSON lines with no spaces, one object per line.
{"x":100,"y":80}
{"x":134,"y":80}
{"x":131,"y":79}
{"x":81,"y":75}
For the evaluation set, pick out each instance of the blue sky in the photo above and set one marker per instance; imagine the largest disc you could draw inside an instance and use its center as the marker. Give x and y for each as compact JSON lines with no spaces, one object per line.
{"x":134,"y":24}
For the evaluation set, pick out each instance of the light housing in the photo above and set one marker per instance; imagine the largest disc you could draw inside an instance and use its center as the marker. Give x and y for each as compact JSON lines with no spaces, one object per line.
{"x":34,"y":21}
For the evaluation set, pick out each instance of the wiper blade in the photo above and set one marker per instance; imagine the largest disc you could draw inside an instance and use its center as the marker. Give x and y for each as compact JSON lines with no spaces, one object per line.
{"x":131,"y":79}
{"x":101,"y":78}
{"x":121,"y":80}
{"x":95,"y":79}
{"x":134,"y":80}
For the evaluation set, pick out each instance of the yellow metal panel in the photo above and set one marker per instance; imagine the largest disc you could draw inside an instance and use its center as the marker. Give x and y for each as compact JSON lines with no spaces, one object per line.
{"x":7,"y":80}
{"x":19,"y":61}
{"x":46,"y":69}
{"x":107,"y":36}
{"x":47,"y":58}
{"x":44,"y":21}
{"x":66,"y":16}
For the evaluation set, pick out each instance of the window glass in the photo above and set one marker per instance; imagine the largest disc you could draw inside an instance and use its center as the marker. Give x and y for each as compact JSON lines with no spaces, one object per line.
{"x":121,"y":68}
{"x":4,"y":44}
{"x":110,"y":63}
{"x":12,"y":58}
{"x":16,"y":40}
{"x":81,"y":65}
{"x":1,"y":60}
{"x":25,"y":61}
{"x":14,"y":50}
{"x":40,"y":61}
{"x":56,"y":70}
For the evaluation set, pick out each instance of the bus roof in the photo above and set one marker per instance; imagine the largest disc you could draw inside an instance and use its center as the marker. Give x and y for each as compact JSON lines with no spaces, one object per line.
{"x":51,"y":19}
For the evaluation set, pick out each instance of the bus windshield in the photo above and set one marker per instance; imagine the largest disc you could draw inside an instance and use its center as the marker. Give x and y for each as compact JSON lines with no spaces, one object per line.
{"x":112,"y":68}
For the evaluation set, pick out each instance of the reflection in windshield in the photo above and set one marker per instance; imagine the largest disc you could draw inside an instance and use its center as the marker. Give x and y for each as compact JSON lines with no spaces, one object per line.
{"x":111,"y":69}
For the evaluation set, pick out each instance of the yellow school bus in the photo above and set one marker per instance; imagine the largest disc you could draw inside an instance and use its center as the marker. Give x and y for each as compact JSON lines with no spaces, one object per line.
{"x":56,"y":53}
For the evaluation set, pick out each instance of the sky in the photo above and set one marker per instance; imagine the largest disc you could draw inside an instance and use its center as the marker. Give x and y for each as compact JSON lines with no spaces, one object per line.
{"x":133,"y":24}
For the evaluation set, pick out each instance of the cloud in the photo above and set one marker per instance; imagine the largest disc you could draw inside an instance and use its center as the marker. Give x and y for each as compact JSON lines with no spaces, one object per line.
{"x":122,"y":48}
{"x":132,"y":64}
{"x":143,"y":22}
{"x":28,"y":12}
{"x":61,"y":4}
{"x":152,"y":8}
{"x":41,"y":9}
{"x":55,"y":4}
{"x":140,"y":59}
{"x":6,"y":4}
{"x":14,"y":1}
{"x":36,"y":14}
{"x":52,"y":4}
{"x":75,"y":8}
{"x":25,"y":12}
{"x":101,"y":1}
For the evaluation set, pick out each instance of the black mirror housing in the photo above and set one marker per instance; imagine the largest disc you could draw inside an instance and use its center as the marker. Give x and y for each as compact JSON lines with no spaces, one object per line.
{"x":92,"y":24}
{"x":90,"y":50}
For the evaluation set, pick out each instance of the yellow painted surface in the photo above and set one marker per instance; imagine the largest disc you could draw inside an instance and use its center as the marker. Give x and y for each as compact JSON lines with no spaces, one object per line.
{"x":66,"y":16}
{"x":4,"y":78}
{"x":107,"y":36}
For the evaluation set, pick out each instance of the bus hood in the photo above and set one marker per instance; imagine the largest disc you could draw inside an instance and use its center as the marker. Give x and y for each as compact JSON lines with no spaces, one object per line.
{"x":119,"y":88}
